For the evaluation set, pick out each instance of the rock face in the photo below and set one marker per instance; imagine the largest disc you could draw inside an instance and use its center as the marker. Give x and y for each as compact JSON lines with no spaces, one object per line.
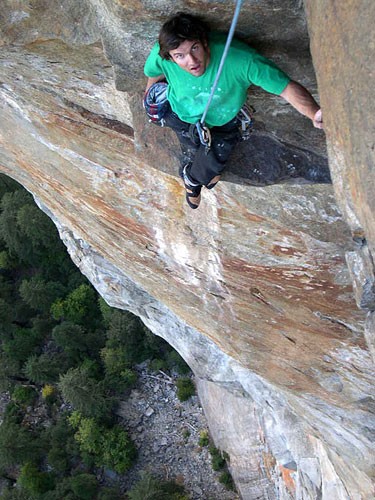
{"x":253,"y":288}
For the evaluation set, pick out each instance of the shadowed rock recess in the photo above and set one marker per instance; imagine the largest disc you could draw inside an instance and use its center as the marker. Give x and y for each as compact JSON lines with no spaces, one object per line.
{"x":267,"y":290}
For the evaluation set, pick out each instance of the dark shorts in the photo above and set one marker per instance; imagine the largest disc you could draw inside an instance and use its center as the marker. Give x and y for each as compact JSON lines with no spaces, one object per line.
{"x":203,"y":167}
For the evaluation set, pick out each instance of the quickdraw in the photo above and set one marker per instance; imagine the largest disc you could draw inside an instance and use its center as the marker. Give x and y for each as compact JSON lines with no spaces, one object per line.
{"x":245,"y":114}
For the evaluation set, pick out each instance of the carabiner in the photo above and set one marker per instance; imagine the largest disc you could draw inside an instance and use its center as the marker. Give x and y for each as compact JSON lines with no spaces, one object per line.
{"x":204,"y":135}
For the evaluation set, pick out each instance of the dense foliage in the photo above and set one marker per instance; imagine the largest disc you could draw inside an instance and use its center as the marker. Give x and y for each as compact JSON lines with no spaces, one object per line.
{"x":151,"y":488}
{"x":66,"y":358}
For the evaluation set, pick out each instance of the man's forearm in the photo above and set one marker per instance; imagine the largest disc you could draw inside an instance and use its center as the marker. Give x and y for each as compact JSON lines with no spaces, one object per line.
{"x":302,"y":101}
{"x":153,"y":80}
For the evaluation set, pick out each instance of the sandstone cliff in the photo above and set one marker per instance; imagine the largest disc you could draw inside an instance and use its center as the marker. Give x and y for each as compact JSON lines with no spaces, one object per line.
{"x":267,"y":290}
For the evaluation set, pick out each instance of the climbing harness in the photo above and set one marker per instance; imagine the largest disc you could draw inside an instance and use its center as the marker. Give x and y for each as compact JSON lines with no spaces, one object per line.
{"x":203,"y":131}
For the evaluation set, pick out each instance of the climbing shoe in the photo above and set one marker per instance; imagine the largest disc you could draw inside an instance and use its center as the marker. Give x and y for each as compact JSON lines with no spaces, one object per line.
{"x":193,"y":196}
{"x":193,"y":189}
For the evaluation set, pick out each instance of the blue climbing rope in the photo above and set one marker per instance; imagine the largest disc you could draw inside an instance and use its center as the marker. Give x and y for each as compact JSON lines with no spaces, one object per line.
{"x":202,"y":129}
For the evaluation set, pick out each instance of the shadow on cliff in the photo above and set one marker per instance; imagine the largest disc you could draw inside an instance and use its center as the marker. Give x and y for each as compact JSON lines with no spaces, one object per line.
{"x":264,"y":160}
{"x":260,"y":161}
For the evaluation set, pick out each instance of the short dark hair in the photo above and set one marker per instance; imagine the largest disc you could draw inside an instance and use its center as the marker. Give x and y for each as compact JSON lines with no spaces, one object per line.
{"x":179,"y":28}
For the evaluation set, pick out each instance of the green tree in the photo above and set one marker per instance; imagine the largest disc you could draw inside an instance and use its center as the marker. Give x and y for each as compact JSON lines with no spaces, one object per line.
{"x":226,"y":479}
{"x":43,"y":326}
{"x":110,"y":494}
{"x":126,"y":331}
{"x":217,"y":459}
{"x":84,"y":486}
{"x":78,"y":343}
{"x":80,"y":307}
{"x":175,"y":361}
{"x":185,"y":388}
{"x":12,"y":493}
{"x":63,"y":448}
{"x":150,"y":488}
{"x":118,"y":383}
{"x":27,"y":232}
{"x":40,"y":294}
{"x":24,"y":395}
{"x":6,"y":288}
{"x":78,"y":487}
{"x":118,"y":375}
{"x":147,"y":488}
{"x":62,"y":491}
{"x":8,"y":185}
{"x":13,"y":413}
{"x":154,"y":345}
{"x":17,"y":445}
{"x":114,"y":359}
{"x":33,"y":481}
{"x":30,"y":236}
{"x":71,"y":338}
{"x":88,"y":434}
{"x":10,"y":231}
{"x":204,"y":439}
{"x":9,"y":372}
{"x":106,"y":311}
{"x":37,"y":227}
{"x":109,"y":447}
{"x":6,"y":315}
{"x":5,"y":261}
{"x":44,"y":368}
{"x":85,"y":394}
{"x":93,"y":369}
{"x":129,"y":342}
{"x":24,"y":343}
{"x":49,"y":253}
{"x":22,"y":313}
{"x":118,"y":452}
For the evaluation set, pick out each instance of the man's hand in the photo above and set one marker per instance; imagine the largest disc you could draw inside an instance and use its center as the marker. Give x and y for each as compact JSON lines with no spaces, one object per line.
{"x":303,"y":101}
{"x":318,"y":119}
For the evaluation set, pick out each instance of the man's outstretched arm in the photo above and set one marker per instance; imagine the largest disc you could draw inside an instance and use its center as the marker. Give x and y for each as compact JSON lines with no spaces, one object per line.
{"x":303,"y":101}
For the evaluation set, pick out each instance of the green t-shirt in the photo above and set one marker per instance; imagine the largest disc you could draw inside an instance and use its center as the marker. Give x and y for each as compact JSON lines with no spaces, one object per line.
{"x":188,"y":94}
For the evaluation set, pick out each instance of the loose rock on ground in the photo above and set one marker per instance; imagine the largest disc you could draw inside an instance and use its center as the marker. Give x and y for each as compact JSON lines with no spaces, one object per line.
{"x":166,"y":432}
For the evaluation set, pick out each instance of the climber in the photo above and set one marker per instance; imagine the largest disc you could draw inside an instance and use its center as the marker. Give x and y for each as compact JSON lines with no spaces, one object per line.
{"x":181,"y":69}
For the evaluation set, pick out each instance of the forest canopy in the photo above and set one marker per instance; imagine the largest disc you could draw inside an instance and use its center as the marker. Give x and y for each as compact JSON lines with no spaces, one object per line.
{"x":66,"y":358}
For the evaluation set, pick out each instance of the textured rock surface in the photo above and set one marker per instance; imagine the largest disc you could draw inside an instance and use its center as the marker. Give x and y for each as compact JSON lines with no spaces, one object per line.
{"x":370,"y":333}
{"x":361,"y":268}
{"x":343,"y":47}
{"x":252,"y":289}
{"x":344,"y":62}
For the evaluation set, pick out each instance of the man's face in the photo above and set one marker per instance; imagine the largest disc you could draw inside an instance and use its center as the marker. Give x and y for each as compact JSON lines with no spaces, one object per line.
{"x":192,"y":56}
